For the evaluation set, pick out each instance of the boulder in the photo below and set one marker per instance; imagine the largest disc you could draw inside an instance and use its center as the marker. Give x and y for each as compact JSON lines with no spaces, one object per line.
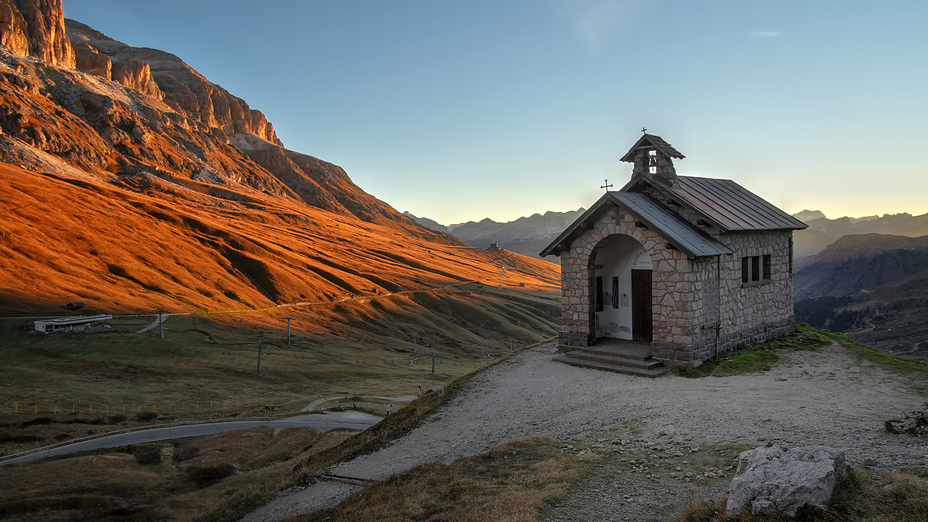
{"x":779,"y":481}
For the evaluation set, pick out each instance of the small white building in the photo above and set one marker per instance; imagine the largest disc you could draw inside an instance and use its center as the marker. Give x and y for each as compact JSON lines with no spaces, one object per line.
{"x":83,"y":323}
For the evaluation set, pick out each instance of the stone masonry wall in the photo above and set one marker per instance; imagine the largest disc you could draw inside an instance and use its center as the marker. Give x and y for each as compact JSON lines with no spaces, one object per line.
{"x":672,"y":290}
{"x":754,"y":307}
{"x":746,"y":312}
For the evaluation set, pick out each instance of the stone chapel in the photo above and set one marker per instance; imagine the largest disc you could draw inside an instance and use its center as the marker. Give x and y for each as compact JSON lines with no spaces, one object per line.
{"x":676,"y":268}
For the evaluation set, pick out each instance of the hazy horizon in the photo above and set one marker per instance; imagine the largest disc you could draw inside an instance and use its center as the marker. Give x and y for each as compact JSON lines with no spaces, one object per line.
{"x":565,"y":211}
{"x":462,"y":111}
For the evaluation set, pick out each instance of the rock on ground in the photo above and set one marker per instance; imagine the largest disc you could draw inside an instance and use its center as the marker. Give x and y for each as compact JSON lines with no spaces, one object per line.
{"x":777,"y":480}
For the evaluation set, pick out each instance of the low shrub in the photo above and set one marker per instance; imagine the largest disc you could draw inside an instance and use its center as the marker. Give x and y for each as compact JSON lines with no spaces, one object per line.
{"x":146,"y":455}
{"x":183,"y":453}
{"x":205,"y":476}
{"x":26,"y":438}
{"x":39,"y":421}
{"x":146,"y":416}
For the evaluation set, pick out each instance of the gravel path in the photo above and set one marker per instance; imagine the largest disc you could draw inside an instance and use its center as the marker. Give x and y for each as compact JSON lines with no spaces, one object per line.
{"x":666,"y":427}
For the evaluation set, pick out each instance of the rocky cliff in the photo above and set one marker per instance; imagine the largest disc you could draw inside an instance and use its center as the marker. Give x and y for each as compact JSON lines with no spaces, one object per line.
{"x":36,"y":28}
{"x":111,"y":109}
{"x":128,"y":179}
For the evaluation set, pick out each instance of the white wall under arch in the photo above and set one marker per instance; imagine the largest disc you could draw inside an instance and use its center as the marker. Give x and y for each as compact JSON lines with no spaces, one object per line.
{"x":618,"y":256}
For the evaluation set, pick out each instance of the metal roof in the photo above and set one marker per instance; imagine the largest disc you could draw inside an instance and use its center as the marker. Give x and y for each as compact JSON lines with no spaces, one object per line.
{"x":730,"y":206}
{"x":678,"y":232}
{"x":651,"y":141}
{"x":82,"y":319}
{"x":667,"y":223}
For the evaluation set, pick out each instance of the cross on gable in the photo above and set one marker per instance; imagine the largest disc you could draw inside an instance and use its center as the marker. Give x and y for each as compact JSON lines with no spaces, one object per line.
{"x":607,"y":186}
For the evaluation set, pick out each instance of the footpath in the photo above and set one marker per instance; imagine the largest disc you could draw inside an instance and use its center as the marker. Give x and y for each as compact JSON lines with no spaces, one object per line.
{"x":826,"y":397}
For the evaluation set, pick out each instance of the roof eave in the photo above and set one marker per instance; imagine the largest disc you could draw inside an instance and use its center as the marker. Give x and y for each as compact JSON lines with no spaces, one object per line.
{"x":670,"y":239}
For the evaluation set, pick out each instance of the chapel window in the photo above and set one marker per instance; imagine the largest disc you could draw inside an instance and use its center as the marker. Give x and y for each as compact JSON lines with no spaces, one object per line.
{"x":756,"y":269}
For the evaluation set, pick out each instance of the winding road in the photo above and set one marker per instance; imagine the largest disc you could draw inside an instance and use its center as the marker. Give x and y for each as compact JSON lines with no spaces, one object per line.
{"x":355,"y":420}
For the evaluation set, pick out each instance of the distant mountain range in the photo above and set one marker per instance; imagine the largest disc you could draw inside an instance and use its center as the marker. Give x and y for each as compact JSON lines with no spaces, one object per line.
{"x":823,"y":231}
{"x":526,"y":235}
{"x":861,"y":263}
{"x":529,"y":235}
{"x":874,"y":286}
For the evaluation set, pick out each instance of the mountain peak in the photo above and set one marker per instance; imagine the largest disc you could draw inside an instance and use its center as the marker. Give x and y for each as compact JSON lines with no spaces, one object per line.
{"x":809,"y":215}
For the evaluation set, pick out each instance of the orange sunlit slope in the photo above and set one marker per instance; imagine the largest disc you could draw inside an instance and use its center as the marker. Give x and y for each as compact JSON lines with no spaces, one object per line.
{"x":63,"y":239}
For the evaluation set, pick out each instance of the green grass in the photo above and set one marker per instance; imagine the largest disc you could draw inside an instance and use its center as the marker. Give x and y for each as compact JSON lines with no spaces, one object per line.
{"x":895,"y":363}
{"x":758,"y":358}
{"x":269,"y":462}
{"x":198,"y":361}
{"x":202,"y":369}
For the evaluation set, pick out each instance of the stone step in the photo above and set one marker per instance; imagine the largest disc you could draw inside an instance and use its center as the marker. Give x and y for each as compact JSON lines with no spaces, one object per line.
{"x":616,"y":359}
{"x":618,"y":366}
{"x":642,"y":354}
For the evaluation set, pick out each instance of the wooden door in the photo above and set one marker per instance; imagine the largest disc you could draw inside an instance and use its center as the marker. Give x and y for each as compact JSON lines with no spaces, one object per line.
{"x":641,"y":305}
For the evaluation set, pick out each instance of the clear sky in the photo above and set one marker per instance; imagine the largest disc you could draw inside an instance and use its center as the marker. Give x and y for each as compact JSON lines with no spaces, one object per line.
{"x":461,"y":110}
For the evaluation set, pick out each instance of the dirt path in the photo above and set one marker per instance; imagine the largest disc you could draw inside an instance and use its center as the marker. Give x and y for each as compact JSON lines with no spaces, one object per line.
{"x":670,"y":426}
{"x":153,"y":325}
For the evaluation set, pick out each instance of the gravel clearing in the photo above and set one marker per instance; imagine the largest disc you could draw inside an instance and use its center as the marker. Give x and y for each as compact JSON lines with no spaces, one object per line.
{"x":661,"y":443}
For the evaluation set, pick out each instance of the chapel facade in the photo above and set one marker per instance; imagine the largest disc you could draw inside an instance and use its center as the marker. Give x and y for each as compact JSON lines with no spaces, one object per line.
{"x":687,"y":266}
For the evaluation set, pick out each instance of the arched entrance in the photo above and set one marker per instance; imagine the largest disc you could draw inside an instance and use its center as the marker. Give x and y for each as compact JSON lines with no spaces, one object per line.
{"x":622,"y":289}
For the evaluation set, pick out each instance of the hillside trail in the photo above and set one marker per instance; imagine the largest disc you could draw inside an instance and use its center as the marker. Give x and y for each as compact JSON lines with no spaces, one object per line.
{"x":684,"y":431}
{"x":153,"y":325}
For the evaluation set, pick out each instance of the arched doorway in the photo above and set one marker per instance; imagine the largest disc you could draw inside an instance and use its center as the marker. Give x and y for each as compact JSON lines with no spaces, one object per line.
{"x":622,"y":289}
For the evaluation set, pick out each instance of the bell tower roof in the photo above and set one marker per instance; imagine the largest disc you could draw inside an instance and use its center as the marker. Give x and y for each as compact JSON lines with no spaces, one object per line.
{"x":651,"y":142}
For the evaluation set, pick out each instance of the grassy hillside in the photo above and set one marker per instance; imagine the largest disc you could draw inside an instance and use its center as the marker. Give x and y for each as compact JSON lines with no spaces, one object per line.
{"x":874,"y":286}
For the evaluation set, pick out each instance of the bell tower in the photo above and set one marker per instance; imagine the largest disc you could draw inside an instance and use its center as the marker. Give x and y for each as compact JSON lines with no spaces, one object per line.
{"x":653,"y":157}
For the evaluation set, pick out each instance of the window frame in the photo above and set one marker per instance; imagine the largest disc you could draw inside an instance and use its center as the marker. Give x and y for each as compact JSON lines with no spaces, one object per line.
{"x":756,"y":270}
